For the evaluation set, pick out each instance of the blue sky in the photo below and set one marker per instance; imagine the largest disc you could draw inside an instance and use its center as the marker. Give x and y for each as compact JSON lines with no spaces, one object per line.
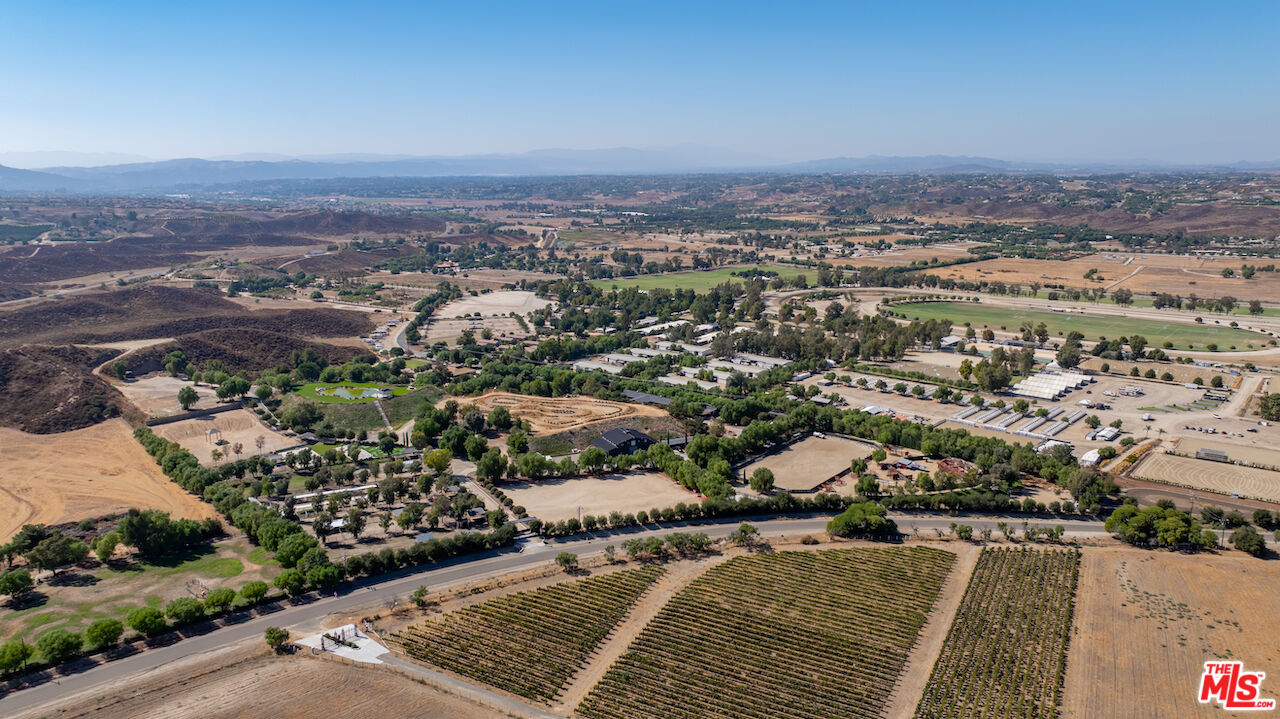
{"x":1192,"y":82}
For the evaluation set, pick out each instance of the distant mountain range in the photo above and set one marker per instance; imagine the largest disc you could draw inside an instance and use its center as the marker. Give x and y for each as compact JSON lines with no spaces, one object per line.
{"x":194,"y":174}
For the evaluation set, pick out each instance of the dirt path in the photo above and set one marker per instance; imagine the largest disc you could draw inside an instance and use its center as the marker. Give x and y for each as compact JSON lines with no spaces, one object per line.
{"x":678,"y":575}
{"x":1126,"y":277}
{"x":915,"y":676}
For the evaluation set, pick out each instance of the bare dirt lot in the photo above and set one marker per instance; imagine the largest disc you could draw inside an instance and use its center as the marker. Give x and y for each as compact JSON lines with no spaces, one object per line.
{"x":556,"y":414}
{"x":471,"y":280}
{"x":554,"y":500}
{"x":1220,"y":477}
{"x":157,"y":395}
{"x":237,"y":426}
{"x":298,"y":687}
{"x":803,"y":466}
{"x":494,"y":303}
{"x":85,"y":473}
{"x":1147,"y":621}
{"x":448,"y":330}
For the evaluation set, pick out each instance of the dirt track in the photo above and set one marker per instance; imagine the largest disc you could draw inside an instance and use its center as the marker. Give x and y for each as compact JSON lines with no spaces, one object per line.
{"x":85,"y":473}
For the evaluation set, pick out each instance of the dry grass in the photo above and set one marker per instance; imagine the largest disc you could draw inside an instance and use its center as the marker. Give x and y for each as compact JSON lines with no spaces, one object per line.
{"x":1147,"y":621}
{"x":81,"y":474}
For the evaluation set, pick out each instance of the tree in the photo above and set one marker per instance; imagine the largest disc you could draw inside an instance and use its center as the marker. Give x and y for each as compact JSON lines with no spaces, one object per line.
{"x":106,"y":545}
{"x":762,"y":480}
{"x":103,"y":633}
{"x":862,"y":519}
{"x":58,"y":645}
{"x":474,"y":420}
{"x":568,"y":561}
{"x":1269,"y":407}
{"x":491,"y":466}
{"x":56,"y":552}
{"x":120,"y":369}
{"x":184,"y":610}
{"x":745,"y":535}
{"x":187,"y":396}
{"x":475,"y":447}
{"x":254,"y":591}
{"x":1255,"y":307}
{"x":1093,"y":421}
{"x":439,"y":461}
{"x":500,"y":418}
{"x":292,"y":547}
{"x":146,"y":620}
{"x":291,"y":581}
{"x":276,"y":637}
{"x":867,"y":486}
{"x":1247,"y":539}
{"x":355,"y":522}
{"x":592,"y":459}
{"x":15,"y":583}
{"x":219,"y":599}
{"x":14,"y":655}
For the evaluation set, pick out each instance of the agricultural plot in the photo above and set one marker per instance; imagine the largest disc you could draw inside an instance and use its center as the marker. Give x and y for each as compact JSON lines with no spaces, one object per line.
{"x":1006,"y":653}
{"x":1182,"y":335}
{"x":791,"y":634}
{"x":700,"y":279}
{"x":1220,"y":477}
{"x":530,"y":643}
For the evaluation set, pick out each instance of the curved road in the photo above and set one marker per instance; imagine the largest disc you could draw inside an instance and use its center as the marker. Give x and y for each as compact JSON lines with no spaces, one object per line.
{"x":396,"y":586}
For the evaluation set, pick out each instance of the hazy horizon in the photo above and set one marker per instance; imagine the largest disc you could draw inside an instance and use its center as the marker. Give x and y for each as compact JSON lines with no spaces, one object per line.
{"x":1088,"y":83}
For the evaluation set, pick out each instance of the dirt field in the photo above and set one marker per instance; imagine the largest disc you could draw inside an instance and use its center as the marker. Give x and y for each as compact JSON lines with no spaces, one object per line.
{"x":554,"y":500}
{"x":1181,"y":373}
{"x":85,"y":473}
{"x":494,"y":303}
{"x":1147,"y":621}
{"x":448,"y":330}
{"x":157,"y":395}
{"x":808,"y":463}
{"x":1218,"y":477}
{"x":556,"y":414}
{"x":298,"y":687}
{"x":238,"y":425}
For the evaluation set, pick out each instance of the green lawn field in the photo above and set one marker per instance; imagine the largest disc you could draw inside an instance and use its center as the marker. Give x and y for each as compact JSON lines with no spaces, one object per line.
{"x":1182,"y":335}
{"x":700,"y":279}
{"x":312,"y":391}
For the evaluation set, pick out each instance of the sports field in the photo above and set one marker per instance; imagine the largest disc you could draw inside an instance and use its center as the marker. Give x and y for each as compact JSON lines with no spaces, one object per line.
{"x":1182,"y":335}
{"x":702,"y":279}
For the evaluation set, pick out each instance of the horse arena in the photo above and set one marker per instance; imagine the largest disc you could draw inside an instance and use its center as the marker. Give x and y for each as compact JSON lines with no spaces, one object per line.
{"x":1219,"y":477}
{"x":557,"y":414}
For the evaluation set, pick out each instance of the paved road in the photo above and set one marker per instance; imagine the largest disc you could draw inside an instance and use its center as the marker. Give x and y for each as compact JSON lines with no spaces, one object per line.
{"x":396,"y":586}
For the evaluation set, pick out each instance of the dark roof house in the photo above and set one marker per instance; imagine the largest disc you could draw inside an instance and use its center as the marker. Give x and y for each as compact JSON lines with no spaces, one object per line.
{"x":622,"y":440}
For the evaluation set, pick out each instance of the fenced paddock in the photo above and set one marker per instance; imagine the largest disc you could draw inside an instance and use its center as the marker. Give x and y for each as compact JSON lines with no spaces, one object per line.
{"x":805,"y":465}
